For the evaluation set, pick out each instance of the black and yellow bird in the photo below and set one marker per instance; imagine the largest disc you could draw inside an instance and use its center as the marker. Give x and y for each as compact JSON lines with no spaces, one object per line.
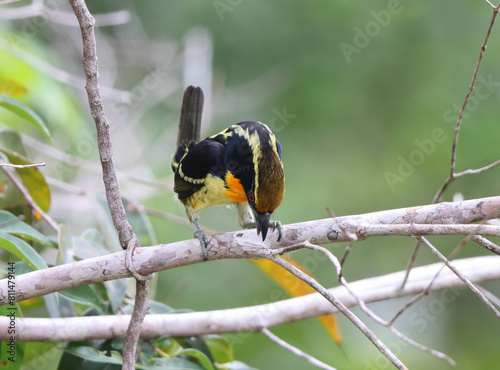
{"x":240,"y":165}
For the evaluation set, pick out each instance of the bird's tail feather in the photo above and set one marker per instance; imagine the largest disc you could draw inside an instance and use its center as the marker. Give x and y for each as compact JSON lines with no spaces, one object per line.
{"x":190,"y":119}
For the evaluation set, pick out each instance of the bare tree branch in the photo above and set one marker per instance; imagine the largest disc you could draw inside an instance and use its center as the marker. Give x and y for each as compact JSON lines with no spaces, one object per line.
{"x":128,"y":239}
{"x":295,"y":350}
{"x":22,"y":165}
{"x":60,"y":74}
{"x":369,"y":312}
{"x":461,"y":276}
{"x":90,"y":67}
{"x":243,"y":243}
{"x":254,"y":318}
{"x":38,"y":9}
{"x":452,"y":175}
{"x":64,"y":157}
{"x":339,"y":306}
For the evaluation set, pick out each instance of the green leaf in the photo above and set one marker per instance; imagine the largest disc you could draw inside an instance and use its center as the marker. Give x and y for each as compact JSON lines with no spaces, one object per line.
{"x":32,"y":179}
{"x":197,"y":343}
{"x":11,"y":86}
{"x":22,"y":250}
{"x":84,"y":295}
{"x":167,"y":344}
{"x":115,"y":290}
{"x":169,"y":363}
{"x":88,"y":245}
{"x":55,"y":305}
{"x":39,"y":355}
{"x":197,"y":354}
{"x":65,"y":246}
{"x":10,"y":141}
{"x":26,"y":113}
{"x":91,"y":354}
{"x":156,"y":308}
{"x":10,"y":224}
{"x":220,"y":348}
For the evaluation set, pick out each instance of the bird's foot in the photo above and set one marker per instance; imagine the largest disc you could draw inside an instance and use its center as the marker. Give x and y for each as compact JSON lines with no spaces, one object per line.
{"x":276,"y":225}
{"x":272,"y":225}
{"x":203,"y":237}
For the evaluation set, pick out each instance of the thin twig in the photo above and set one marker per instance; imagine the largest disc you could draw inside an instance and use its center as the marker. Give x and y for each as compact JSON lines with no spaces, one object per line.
{"x":22,"y":165}
{"x":164,"y":215}
{"x":477,"y":170}
{"x":428,"y":289}
{"x":338,"y":265}
{"x":295,"y":350}
{"x":493,"y":298}
{"x":5,"y":2}
{"x":495,"y":7}
{"x":482,"y":241}
{"x":347,"y":250}
{"x":39,"y":9}
{"x":452,"y":175}
{"x":410,"y":264}
{"x":60,"y":74}
{"x":340,"y":306}
{"x":72,"y":160}
{"x":461,"y":276}
{"x":106,"y":19}
{"x":141,"y":307}
{"x":29,"y":199}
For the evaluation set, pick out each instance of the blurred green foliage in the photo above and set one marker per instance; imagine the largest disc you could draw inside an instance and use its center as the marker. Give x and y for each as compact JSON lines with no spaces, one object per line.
{"x":352,"y":89}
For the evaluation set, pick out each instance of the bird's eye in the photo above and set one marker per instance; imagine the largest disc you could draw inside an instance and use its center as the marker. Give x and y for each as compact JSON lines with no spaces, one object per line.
{"x":251,"y":197}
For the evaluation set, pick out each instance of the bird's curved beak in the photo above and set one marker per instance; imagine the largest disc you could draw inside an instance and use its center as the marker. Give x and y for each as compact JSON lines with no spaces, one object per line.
{"x":262,"y":223}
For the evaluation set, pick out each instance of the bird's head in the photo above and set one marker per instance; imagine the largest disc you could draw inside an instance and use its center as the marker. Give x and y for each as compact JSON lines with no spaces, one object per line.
{"x":266,"y":193}
{"x":256,"y":172}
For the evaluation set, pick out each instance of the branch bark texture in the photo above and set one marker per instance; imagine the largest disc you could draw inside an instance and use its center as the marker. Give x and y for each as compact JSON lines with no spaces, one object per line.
{"x":435,"y":219}
{"x":126,"y":236}
{"x":91,"y":70}
{"x":255,"y":318}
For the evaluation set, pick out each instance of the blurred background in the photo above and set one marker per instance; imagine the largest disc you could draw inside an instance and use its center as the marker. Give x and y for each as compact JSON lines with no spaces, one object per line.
{"x":363,"y":97}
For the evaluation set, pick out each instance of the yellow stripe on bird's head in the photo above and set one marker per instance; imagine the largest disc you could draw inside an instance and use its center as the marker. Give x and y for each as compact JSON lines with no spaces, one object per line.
{"x":269,"y":173}
{"x":255,"y":171}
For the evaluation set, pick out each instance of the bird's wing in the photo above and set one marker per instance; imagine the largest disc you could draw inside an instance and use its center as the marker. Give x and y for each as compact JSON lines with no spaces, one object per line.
{"x":202,"y":159}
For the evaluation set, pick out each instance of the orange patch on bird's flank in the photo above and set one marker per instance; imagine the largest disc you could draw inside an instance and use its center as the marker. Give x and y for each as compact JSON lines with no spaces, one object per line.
{"x":235,"y":190}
